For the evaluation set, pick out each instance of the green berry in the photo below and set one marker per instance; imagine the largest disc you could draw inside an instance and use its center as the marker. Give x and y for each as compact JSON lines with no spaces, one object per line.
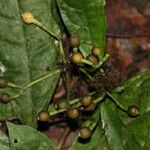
{"x":27,"y":17}
{"x":133,"y":111}
{"x":61,"y":104}
{"x":85,"y":132}
{"x":92,"y":59}
{"x":90,"y":108}
{"x":3,"y":82}
{"x":86,"y":101}
{"x":75,"y":41}
{"x":73,"y":113}
{"x":77,"y":58}
{"x":4,"y":97}
{"x":96,"y":51}
{"x":43,"y":116}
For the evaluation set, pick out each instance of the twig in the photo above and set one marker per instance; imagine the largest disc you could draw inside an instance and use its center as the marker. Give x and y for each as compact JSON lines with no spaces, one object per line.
{"x":116,"y":102}
{"x":35,"y":82}
{"x":39,"y":24}
{"x":63,"y":138}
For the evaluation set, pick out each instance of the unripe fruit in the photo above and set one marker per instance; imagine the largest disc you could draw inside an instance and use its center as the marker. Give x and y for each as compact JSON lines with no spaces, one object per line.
{"x":85,"y":132}
{"x":96,"y":51}
{"x":90,"y":108}
{"x":86,"y":101}
{"x":75,"y":41}
{"x":4,"y":97}
{"x":43,"y":116}
{"x":3,"y":82}
{"x":133,"y":111}
{"x":73,"y":113}
{"x":77,"y":58}
{"x":27,"y":17}
{"x":61,"y":104}
{"x":92,"y":59}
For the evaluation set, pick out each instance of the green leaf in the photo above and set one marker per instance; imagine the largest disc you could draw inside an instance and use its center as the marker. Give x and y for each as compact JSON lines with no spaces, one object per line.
{"x":56,"y":15}
{"x":86,"y":19}
{"x":118,"y":135}
{"x":134,"y":91}
{"x":97,"y":141}
{"x":4,"y":141}
{"x":25,"y":53}
{"x":26,"y":138}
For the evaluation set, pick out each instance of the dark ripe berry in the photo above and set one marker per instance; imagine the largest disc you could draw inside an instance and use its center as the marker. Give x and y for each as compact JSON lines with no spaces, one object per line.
{"x":61,"y":104}
{"x":77,"y":58}
{"x":92,"y":59}
{"x":3,"y":82}
{"x":73,"y":113}
{"x":86,"y":101}
{"x":133,"y":111}
{"x":90,"y":108}
{"x":85,"y":132}
{"x":75,"y":41}
{"x":4,"y":97}
{"x":43,"y":116}
{"x":96,"y":51}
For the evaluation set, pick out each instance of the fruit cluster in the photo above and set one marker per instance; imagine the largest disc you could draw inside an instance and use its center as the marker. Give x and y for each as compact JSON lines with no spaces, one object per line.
{"x":78,"y":111}
{"x":77,"y":58}
{"x":74,"y":113}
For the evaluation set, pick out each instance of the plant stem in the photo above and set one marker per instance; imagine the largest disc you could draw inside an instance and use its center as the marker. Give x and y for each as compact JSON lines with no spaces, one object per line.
{"x":100,"y":98}
{"x":67,"y":73}
{"x":55,"y":112}
{"x":87,"y":62}
{"x":18,"y":95}
{"x":62,"y":52}
{"x":86,"y":73}
{"x":116,"y":102}
{"x":13,"y":85}
{"x":39,"y":24}
{"x":75,"y":102}
{"x":75,"y":49}
{"x":68,"y":86}
{"x":63,"y":138}
{"x":102,"y":61}
{"x":74,"y":142}
{"x":35,"y":82}
{"x":72,"y":102}
{"x":42,"y":78}
{"x":93,"y":125}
